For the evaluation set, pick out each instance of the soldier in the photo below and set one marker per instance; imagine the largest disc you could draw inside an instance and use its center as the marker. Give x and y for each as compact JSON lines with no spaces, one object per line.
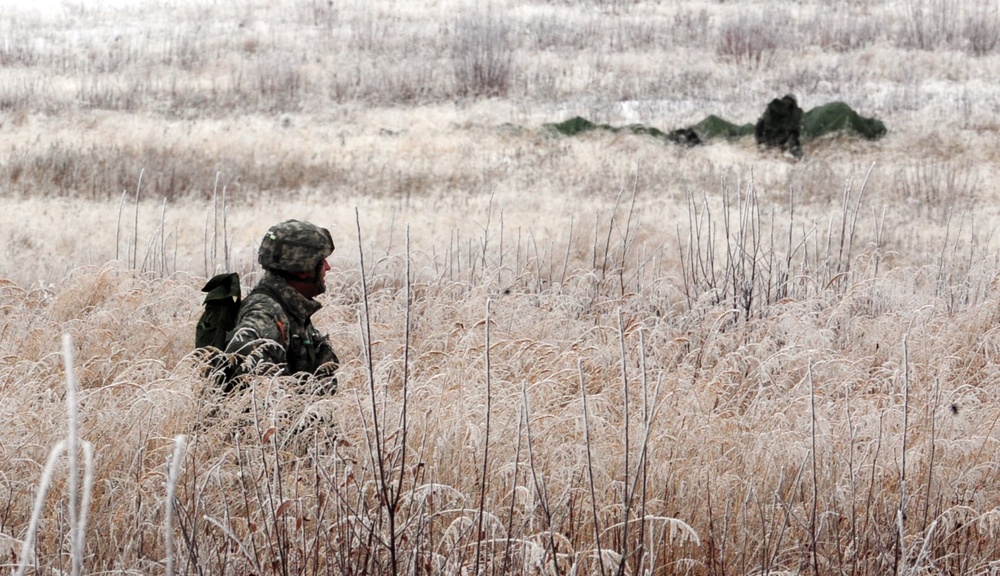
{"x":781,"y":125}
{"x":274,"y":331}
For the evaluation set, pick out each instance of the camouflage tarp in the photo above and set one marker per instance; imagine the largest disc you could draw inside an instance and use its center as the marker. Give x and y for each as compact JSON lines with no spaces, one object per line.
{"x":715,"y":127}
{"x":822,"y":120}
{"x":837,"y":116}
{"x":577,"y":125}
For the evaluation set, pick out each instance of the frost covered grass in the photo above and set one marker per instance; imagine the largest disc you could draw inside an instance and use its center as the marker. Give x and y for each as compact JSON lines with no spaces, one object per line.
{"x":597,"y":354}
{"x":537,"y":405}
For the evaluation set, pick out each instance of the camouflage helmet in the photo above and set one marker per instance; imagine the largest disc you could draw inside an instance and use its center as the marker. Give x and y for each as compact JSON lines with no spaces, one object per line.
{"x":294,"y":246}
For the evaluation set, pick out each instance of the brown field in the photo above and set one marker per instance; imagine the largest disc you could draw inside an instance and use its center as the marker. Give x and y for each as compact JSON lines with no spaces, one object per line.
{"x":599,"y":354}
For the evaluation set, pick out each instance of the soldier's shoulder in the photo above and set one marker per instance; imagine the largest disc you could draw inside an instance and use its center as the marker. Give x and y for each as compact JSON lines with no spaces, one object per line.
{"x":259,"y":302}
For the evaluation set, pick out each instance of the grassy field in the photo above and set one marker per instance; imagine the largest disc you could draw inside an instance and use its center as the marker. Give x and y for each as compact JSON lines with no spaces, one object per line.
{"x":599,"y":354}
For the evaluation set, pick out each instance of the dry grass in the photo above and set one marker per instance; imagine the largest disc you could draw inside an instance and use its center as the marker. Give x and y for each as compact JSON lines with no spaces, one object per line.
{"x":593,"y":355}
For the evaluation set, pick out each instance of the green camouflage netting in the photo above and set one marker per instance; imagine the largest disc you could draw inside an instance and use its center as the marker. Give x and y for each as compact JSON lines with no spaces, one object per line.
{"x":715,"y":127}
{"x":577,"y":125}
{"x":837,"y":116}
{"x":820,"y":121}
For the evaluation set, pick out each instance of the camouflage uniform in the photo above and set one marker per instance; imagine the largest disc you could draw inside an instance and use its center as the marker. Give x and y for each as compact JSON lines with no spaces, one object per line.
{"x":781,"y":125}
{"x":274,"y":331}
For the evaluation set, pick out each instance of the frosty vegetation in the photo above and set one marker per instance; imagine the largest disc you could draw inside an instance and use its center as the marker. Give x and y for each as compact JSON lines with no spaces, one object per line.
{"x":591,"y":355}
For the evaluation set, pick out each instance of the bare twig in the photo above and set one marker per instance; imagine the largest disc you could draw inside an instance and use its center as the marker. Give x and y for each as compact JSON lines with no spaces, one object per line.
{"x":118,"y":225}
{"x":901,"y":512}
{"x":172,"y":474}
{"x":486,"y":449}
{"x":384,"y":488}
{"x":590,"y":468}
{"x":135,"y":227}
{"x":540,"y":487}
{"x":815,"y":476}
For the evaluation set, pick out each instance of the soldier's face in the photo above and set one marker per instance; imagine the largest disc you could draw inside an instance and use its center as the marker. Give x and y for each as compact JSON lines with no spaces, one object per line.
{"x":322,"y":272}
{"x":311,"y":284}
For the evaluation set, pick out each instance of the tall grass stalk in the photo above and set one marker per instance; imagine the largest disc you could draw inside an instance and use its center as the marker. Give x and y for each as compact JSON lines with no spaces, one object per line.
{"x":273,"y":486}
{"x":569,"y":244}
{"x":225,"y":231}
{"x":173,"y":473}
{"x":205,"y":244}
{"x":72,"y":411}
{"x":27,"y":545}
{"x":852,"y":476}
{"x":215,"y":223}
{"x":135,"y":222}
{"x":118,"y":225}
{"x":814,"y":519}
{"x":384,"y":486}
{"x":484,"y":476}
{"x":590,"y":468}
{"x":513,"y":494}
{"x":88,"y":490}
{"x":846,"y":258}
{"x":649,"y":407}
{"x":78,"y":507}
{"x":933,"y":452}
{"x":486,"y":235}
{"x":404,"y":409}
{"x":626,"y":420}
{"x":901,"y":551}
{"x":541,"y":487}
{"x":628,"y":235}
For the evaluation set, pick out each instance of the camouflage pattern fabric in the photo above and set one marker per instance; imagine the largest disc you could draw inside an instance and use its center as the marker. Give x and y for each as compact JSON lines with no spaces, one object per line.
{"x":780,"y":125}
{"x":294,"y":246}
{"x":274,"y":335}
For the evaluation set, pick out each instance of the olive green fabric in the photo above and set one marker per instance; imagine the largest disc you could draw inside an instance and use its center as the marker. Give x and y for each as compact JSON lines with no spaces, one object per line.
{"x":714,"y":127}
{"x":838,"y":116}
{"x":578,"y":125}
{"x":820,"y":121}
{"x":222,"y":305}
{"x":573,"y":126}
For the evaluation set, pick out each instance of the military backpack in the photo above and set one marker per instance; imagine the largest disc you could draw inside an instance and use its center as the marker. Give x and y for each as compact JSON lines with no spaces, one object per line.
{"x":222,"y":306}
